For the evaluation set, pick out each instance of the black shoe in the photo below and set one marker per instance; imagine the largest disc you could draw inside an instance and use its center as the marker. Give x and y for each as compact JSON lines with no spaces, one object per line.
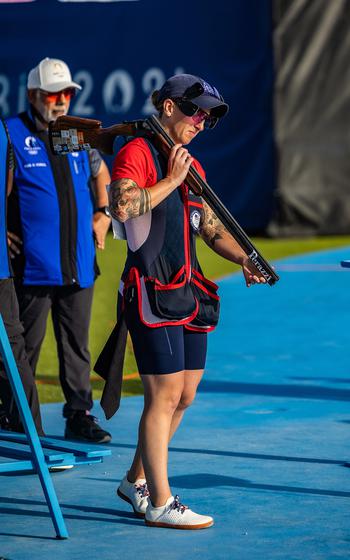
{"x":84,"y":427}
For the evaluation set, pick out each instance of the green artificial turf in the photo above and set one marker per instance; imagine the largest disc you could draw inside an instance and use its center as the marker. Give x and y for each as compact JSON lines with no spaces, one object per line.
{"x":111,"y":262}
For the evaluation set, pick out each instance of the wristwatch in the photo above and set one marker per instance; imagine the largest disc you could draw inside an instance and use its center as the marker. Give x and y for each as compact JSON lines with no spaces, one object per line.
{"x":104,"y":210}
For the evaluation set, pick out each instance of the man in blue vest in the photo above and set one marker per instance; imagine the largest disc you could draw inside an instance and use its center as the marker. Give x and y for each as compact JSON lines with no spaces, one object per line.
{"x":9,"y":415}
{"x":57,"y":207}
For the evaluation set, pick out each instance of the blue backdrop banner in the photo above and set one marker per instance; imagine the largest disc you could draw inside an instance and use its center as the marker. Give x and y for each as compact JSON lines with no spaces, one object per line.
{"x":120,"y":51}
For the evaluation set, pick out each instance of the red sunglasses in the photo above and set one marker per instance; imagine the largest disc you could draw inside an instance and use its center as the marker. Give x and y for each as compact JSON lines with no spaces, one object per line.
{"x":197,"y":115}
{"x":53,"y":97}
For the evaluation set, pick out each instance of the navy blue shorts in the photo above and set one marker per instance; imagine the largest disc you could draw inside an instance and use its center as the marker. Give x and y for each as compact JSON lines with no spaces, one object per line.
{"x":164,"y":349}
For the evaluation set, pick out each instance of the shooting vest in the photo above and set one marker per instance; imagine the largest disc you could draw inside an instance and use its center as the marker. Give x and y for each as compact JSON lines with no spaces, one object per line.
{"x":162,"y":264}
{"x":4,"y":162}
{"x":51,"y":209}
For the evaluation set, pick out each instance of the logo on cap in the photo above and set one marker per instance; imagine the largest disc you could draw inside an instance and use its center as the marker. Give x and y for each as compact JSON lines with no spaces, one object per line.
{"x":210,"y":90}
{"x":59,"y":70}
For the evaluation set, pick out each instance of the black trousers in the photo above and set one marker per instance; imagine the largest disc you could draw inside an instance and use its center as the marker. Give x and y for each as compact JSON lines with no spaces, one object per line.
{"x":10,"y":314}
{"x":71,"y":312}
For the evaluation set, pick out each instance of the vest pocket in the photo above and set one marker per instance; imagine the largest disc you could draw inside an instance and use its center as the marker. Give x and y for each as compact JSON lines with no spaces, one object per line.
{"x":205,"y":292}
{"x":174,"y":300}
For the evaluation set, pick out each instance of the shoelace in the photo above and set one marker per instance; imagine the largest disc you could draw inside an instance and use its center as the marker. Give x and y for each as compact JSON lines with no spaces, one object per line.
{"x":89,"y":418}
{"x":142,"y":490}
{"x":176,"y":504}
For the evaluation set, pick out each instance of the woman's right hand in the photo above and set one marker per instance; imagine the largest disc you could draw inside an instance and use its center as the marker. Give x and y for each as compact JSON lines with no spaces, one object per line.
{"x":178,"y":164}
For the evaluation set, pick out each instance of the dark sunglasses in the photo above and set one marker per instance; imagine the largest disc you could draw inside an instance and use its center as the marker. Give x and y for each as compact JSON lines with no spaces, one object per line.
{"x":196,"y":113}
{"x":55,"y":96}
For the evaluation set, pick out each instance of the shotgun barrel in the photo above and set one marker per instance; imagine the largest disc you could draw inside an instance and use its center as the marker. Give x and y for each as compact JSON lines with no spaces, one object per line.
{"x":199,"y":186}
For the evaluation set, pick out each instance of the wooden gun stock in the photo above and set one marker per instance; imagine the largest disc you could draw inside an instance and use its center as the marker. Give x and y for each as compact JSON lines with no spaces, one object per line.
{"x":71,"y":134}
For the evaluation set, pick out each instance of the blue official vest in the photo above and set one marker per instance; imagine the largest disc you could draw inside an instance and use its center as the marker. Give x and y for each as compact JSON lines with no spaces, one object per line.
{"x":4,"y":260}
{"x":55,"y":205}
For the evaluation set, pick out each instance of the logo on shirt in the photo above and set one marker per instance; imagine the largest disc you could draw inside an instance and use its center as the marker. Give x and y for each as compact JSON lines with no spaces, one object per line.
{"x":195,"y":219}
{"x":31,"y":145}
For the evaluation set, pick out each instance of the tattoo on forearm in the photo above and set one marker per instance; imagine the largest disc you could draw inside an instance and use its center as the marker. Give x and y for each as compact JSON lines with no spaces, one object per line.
{"x":211,"y":229}
{"x":127,"y":200}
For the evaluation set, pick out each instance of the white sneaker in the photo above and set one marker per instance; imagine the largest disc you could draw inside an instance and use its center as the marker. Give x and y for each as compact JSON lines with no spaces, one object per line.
{"x":58,"y":468}
{"x":136,"y":493}
{"x":175,"y":515}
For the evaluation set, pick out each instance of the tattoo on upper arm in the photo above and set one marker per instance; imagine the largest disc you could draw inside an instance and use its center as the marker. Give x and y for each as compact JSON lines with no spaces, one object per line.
{"x":145,"y":201}
{"x":211,"y":229}
{"x":127,"y":200}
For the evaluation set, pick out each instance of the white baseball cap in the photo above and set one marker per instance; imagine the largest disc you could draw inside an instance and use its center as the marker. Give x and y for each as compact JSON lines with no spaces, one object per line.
{"x":51,"y":75}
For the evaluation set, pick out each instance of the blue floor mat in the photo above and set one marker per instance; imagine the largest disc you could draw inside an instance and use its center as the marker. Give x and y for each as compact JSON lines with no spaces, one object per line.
{"x":263,"y":449}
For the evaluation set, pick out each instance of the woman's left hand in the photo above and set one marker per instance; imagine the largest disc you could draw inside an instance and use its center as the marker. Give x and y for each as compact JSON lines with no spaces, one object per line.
{"x":251,"y":273}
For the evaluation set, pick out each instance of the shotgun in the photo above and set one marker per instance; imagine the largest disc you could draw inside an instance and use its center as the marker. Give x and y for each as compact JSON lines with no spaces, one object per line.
{"x":71,"y":134}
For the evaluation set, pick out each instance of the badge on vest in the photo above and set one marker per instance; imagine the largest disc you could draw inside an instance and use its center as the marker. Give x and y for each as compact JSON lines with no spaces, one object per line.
{"x":195,"y":219}
{"x":31,"y":145}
